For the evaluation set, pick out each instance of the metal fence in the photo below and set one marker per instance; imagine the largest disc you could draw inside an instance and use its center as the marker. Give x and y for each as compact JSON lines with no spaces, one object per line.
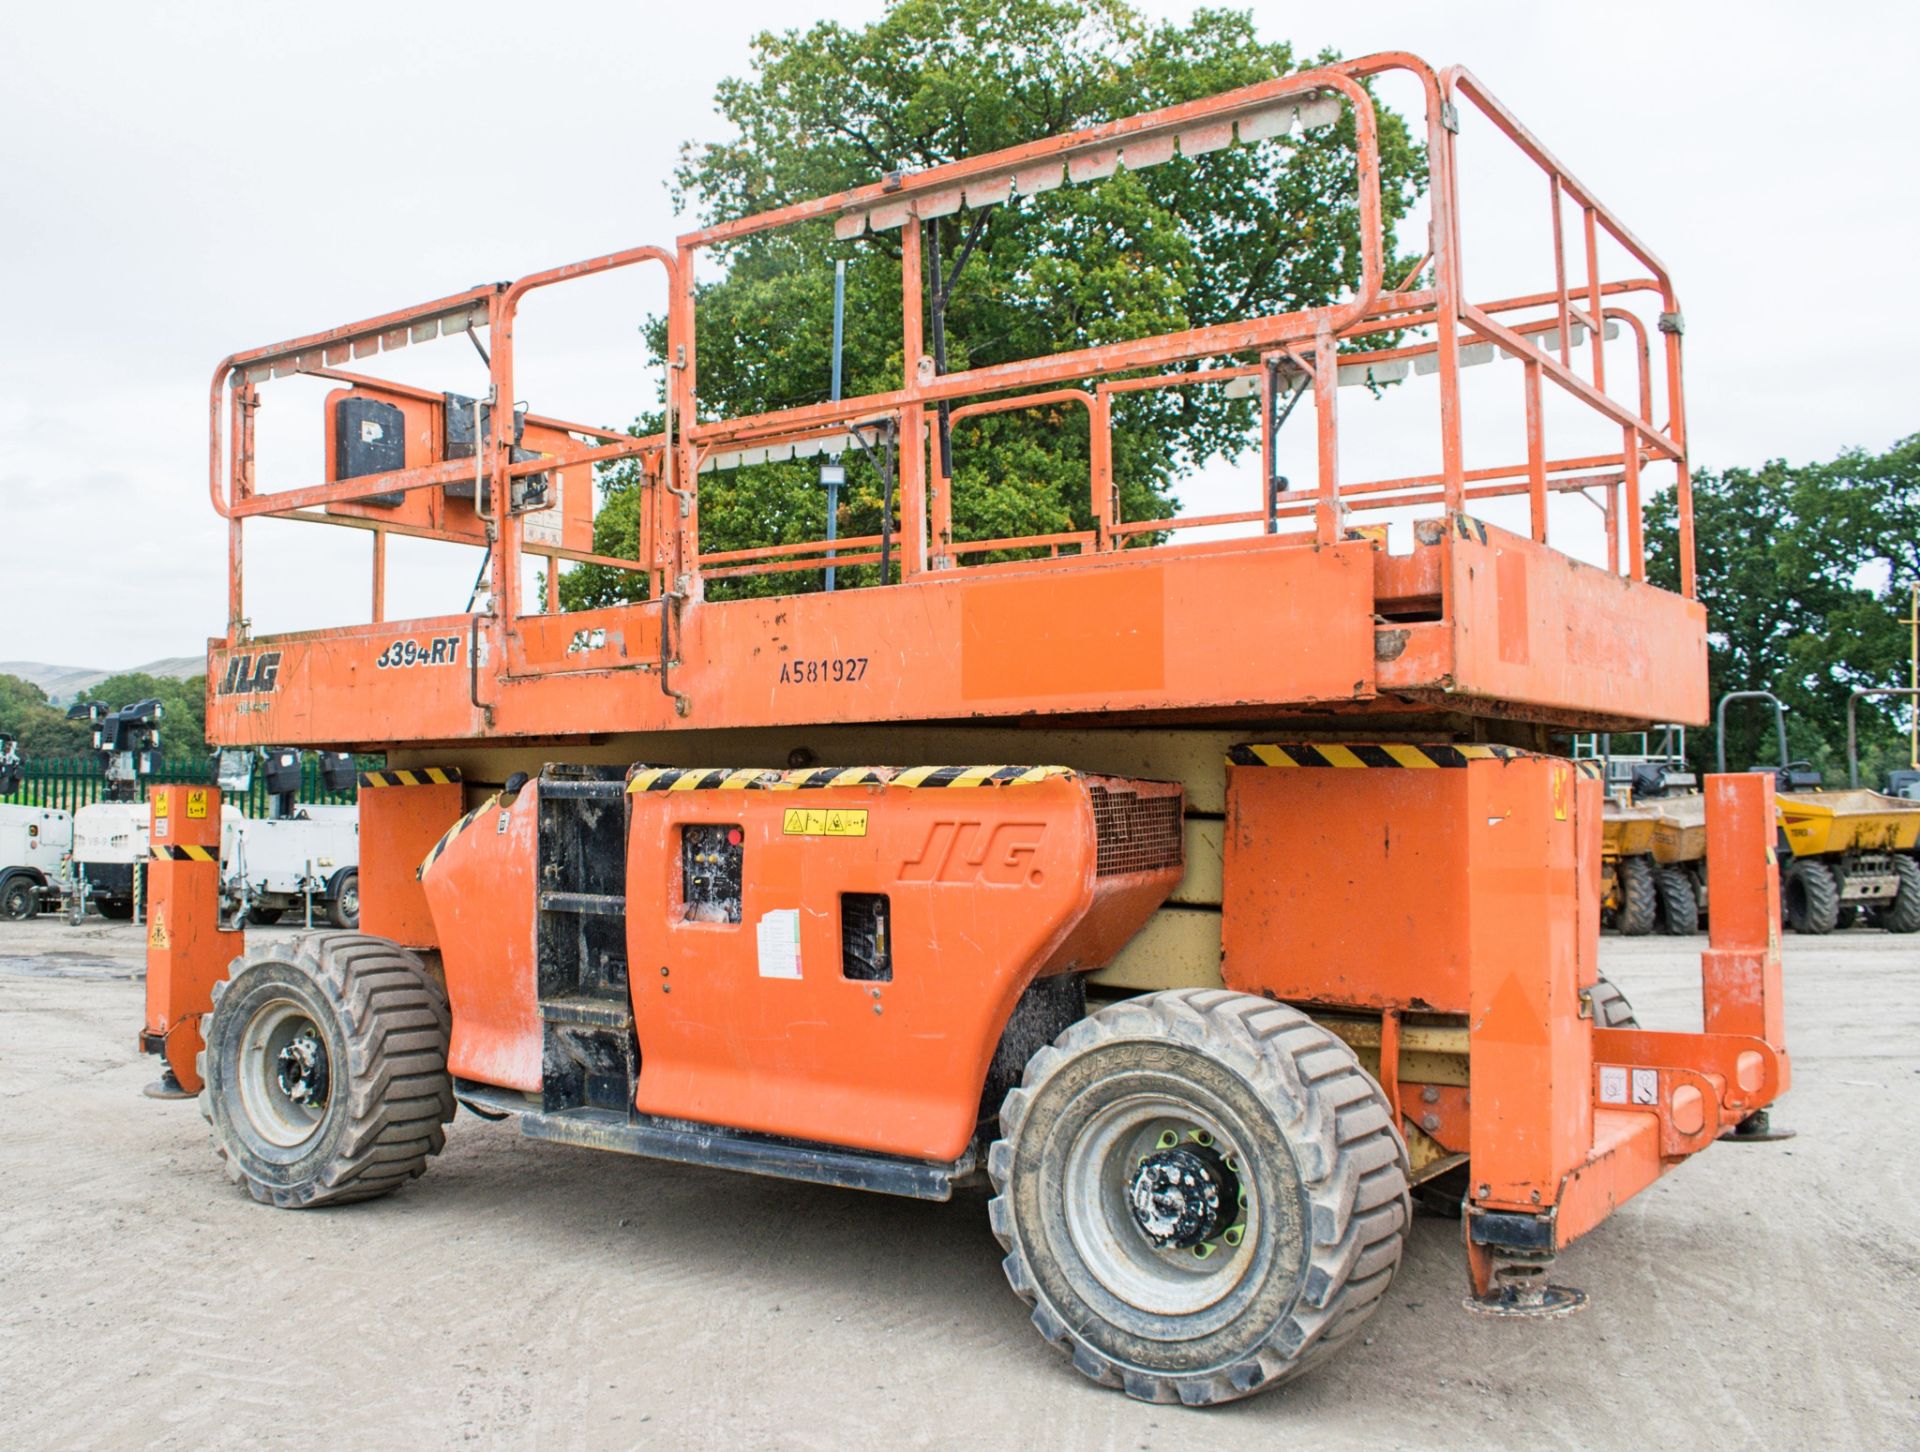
{"x":71,"y":782}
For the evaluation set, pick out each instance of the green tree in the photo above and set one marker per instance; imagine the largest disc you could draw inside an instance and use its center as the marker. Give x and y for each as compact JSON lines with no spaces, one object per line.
{"x":42,"y":730}
{"x":1248,"y":230}
{"x":1806,"y":571}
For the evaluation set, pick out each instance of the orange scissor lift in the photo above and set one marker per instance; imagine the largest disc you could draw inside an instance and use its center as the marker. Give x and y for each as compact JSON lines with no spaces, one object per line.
{"x":1207,"y":894}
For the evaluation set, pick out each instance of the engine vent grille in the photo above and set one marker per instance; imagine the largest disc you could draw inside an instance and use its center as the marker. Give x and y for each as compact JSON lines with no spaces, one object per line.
{"x":1134,"y":833}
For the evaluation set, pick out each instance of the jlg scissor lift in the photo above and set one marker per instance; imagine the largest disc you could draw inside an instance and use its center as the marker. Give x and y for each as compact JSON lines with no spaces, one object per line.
{"x":1206,"y":894}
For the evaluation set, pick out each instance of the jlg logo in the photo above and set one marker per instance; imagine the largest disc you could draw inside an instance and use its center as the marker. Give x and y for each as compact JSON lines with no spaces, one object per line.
{"x":1004,"y":855}
{"x":250,"y":675}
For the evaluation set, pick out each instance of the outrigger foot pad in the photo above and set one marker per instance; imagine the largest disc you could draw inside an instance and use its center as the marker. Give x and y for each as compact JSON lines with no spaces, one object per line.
{"x":1521,"y":1289}
{"x":1756,"y":1128}
{"x":166,"y":1087}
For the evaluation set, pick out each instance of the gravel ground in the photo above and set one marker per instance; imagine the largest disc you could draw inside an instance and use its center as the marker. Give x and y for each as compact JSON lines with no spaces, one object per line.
{"x":534,"y":1295}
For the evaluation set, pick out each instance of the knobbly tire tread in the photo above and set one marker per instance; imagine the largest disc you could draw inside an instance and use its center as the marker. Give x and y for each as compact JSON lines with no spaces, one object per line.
{"x":1639,"y":897}
{"x":1344,"y":1141}
{"x":1818,"y":912}
{"x":1902,"y":915}
{"x":1679,"y":908}
{"x":398,"y":1096}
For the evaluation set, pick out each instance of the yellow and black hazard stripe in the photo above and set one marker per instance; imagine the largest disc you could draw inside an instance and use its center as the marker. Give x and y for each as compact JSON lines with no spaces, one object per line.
{"x":685,"y":779}
{"x":446,"y":837}
{"x":703,"y":778}
{"x":976,"y":776}
{"x":1393,"y":754}
{"x":186,"y":854}
{"x":411,"y":776}
{"x":1590,"y":766}
{"x":1467,"y":527}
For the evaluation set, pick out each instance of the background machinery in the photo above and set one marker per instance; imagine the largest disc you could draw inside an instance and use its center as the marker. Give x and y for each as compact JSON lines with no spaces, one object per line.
{"x":34,"y":845}
{"x":110,"y":835}
{"x":1004,"y":860}
{"x":296,"y":858}
{"x":1845,"y":856}
{"x":1654,"y":840}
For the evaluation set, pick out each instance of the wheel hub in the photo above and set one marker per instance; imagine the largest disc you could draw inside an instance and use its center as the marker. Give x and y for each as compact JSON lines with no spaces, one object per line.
{"x":1183,"y":1196}
{"x":302,"y":1069}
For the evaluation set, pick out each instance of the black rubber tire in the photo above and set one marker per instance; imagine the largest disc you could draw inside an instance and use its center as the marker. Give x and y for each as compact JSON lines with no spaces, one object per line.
{"x":264,"y":917}
{"x":385,"y":1025}
{"x":343,"y":909}
{"x":19,"y":899}
{"x":1328,"y":1171}
{"x":1811,"y":896}
{"x":1610,"y":1006}
{"x":1639,"y":897}
{"x":1679,"y":908}
{"x":119,"y":909}
{"x":1902,"y":915}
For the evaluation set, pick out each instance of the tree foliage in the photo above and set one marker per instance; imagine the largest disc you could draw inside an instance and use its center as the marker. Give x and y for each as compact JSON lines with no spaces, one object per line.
{"x":1805,"y":571}
{"x":1244,"y":231}
{"x":44,"y":730}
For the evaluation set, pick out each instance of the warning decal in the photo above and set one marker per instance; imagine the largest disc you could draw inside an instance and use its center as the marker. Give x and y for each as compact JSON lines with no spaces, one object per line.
{"x":197,"y":802}
{"x":777,"y":937}
{"x":824,"y":822}
{"x":158,"y":937}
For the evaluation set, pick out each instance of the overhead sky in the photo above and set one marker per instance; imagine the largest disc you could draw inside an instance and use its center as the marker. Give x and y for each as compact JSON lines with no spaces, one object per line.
{"x":180,"y":181}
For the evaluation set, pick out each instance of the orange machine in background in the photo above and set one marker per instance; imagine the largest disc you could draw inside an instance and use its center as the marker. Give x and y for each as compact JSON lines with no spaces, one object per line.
{"x":1284,"y":911}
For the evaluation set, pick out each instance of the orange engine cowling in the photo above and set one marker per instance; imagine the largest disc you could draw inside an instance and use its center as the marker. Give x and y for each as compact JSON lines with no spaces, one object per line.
{"x":830,"y":956}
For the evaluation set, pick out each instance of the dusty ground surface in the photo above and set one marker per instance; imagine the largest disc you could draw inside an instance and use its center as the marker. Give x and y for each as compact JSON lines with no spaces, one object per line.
{"x":534,"y":1295}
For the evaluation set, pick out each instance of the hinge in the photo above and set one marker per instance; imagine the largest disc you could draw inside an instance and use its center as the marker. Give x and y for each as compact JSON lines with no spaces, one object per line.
{"x":1674,"y":322}
{"x":1450,"y":117}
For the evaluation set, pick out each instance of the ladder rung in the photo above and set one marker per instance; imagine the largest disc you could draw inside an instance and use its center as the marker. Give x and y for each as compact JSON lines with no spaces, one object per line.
{"x":597,"y":903}
{"x":605,"y":1013}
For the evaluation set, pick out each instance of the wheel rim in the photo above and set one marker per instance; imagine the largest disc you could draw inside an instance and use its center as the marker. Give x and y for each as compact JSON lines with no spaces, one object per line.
{"x":285,"y":1076}
{"x":1133,"y":1178}
{"x":350,"y":899}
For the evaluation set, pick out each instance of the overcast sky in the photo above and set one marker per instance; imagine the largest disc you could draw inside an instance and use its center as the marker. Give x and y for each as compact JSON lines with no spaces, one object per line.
{"x":179,"y":181}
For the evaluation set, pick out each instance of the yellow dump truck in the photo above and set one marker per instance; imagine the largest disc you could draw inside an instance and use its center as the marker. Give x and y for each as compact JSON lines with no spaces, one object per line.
{"x":1845,"y":853}
{"x":1641,"y":889}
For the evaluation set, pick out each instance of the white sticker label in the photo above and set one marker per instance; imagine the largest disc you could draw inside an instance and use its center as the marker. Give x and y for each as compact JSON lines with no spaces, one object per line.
{"x":371,"y":432}
{"x":778,"y":936}
{"x":160,"y":825}
{"x":1646,"y":1086}
{"x":1613,"y":1085}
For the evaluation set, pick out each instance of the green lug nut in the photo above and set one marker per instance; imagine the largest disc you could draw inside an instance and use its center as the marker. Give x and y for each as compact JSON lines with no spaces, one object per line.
{"x":1203,"y":1250}
{"x":1168,"y":1139}
{"x":1235,"y":1233}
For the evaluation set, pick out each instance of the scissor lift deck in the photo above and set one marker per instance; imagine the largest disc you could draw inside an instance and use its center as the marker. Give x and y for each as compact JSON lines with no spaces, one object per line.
{"x":1369,"y":852}
{"x":1342,"y":636}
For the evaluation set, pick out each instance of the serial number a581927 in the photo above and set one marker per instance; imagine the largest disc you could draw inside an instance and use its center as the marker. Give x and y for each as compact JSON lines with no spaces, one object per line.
{"x":836,"y":670}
